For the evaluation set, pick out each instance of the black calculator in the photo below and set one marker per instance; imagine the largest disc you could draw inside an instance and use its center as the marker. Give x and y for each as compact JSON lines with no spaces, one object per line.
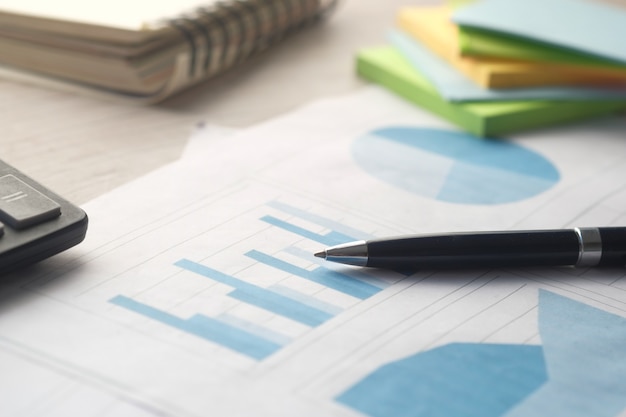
{"x":35,"y":223}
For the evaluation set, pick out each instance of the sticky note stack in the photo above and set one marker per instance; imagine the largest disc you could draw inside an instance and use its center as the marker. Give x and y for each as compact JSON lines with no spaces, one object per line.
{"x":495,"y":67}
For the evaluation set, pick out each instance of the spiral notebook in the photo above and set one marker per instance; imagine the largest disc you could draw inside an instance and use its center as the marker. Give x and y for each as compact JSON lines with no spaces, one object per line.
{"x":142,"y":49}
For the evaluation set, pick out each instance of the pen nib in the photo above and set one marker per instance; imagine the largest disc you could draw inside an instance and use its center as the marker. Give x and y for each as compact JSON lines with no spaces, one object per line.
{"x":321,"y":254}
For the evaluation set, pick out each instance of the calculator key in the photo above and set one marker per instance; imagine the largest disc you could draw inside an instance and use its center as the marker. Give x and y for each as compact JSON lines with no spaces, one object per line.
{"x":22,"y":206}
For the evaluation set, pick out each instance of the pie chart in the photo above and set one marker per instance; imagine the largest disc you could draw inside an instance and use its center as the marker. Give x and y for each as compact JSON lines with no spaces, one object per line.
{"x":454,"y":167}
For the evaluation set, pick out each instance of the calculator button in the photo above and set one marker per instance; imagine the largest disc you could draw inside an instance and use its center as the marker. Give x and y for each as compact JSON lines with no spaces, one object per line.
{"x":22,"y":206}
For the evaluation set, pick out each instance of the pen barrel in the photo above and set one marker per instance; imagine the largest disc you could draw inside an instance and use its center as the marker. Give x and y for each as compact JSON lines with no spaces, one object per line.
{"x":474,"y":250}
{"x":613,"y":246}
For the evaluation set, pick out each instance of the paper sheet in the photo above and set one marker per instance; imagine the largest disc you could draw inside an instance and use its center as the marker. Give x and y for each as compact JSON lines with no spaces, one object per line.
{"x":196,"y":292}
{"x":201,"y":140}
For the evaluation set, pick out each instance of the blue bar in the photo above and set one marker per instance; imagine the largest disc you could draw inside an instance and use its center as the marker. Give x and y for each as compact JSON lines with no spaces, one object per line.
{"x":254,"y":328}
{"x":321,"y":275}
{"x":207,"y":328}
{"x":319,"y":220}
{"x":306,"y":299}
{"x":283,"y":306}
{"x":261,"y":297}
{"x":329,"y":239}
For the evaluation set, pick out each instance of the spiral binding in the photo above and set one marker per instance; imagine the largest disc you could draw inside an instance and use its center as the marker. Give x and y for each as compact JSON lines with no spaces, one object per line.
{"x":227,"y":33}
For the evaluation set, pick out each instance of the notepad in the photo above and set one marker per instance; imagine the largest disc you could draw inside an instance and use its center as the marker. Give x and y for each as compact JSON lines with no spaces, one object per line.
{"x":142,"y":49}
{"x":589,"y":27}
{"x":432,"y":26}
{"x":386,"y":66}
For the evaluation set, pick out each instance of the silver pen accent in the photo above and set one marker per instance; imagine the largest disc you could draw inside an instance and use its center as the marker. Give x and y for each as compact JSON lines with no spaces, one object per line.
{"x":353,"y":253}
{"x":590,"y":246}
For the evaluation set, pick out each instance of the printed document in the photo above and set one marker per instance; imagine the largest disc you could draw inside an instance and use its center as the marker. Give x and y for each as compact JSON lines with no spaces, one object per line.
{"x":196,"y":292}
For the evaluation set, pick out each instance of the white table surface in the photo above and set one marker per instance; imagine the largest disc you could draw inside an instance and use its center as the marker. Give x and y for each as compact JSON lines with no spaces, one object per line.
{"x":82,"y":147}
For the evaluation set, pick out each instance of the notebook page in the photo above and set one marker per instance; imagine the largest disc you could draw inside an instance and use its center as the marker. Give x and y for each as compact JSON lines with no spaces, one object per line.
{"x":128,"y":15}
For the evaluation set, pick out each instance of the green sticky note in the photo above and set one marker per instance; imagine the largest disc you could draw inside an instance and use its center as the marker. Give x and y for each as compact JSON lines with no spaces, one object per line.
{"x":486,"y":43}
{"x":387,"y":67}
{"x":578,"y":26}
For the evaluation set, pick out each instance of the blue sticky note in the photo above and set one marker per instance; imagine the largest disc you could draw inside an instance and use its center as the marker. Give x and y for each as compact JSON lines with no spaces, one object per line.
{"x":590,"y":27}
{"x":456,"y":87}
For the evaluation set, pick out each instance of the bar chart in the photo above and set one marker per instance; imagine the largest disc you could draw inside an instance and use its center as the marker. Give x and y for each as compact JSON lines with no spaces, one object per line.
{"x":251,"y":338}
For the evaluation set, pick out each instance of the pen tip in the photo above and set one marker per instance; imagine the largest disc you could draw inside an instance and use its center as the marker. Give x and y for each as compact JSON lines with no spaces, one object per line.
{"x":321,"y":254}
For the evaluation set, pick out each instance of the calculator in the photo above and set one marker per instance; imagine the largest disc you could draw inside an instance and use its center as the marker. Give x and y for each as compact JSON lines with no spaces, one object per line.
{"x":35,"y":223}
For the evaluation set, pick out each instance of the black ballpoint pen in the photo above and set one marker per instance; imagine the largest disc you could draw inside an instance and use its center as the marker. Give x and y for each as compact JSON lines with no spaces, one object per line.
{"x":585,"y":246}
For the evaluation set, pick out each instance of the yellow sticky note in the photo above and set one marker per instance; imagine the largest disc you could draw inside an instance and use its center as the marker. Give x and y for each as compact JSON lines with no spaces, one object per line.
{"x":432,"y":27}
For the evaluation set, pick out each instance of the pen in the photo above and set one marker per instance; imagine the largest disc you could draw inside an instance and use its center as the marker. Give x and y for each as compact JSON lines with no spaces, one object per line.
{"x":585,"y":246}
